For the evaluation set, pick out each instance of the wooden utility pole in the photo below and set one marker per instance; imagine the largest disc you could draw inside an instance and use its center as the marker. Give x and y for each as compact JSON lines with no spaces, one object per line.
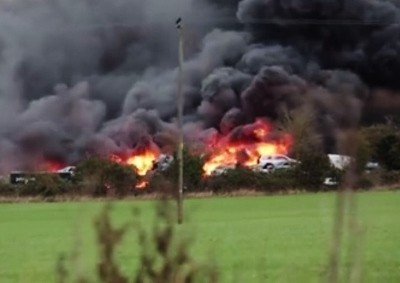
{"x":180,"y":101}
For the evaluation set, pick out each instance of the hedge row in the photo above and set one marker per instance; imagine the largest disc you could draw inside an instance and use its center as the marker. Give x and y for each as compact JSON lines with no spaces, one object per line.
{"x":98,"y":178}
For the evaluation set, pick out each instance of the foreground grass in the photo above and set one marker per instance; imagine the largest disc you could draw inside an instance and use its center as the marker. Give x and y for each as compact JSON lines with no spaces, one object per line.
{"x":253,"y":239}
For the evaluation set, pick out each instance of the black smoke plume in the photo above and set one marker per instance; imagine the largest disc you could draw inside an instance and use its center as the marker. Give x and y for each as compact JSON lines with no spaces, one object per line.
{"x":86,"y":77}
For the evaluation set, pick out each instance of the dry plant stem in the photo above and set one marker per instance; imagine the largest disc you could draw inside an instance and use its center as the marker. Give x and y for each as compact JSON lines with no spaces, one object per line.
{"x":353,"y":273}
{"x":333,"y":268}
{"x":345,"y":202}
{"x":61,"y":270}
{"x":356,"y":234}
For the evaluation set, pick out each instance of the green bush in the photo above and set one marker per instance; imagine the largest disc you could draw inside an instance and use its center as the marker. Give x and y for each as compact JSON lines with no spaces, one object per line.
{"x":389,"y":178}
{"x":244,"y":178}
{"x":367,"y":181}
{"x":46,"y":185}
{"x":389,"y":152}
{"x":159,"y":183}
{"x":193,"y":171}
{"x":232,"y":179}
{"x":102,"y":177}
{"x":378,"y":178}
{"x":374,"y":135}
{"x":10,"y":190}
{"x":279,"y":180}
{"x":312,"y":170}
{"x":363,"y":153}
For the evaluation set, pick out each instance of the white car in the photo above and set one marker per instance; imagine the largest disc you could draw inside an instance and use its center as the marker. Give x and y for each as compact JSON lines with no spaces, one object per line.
{"x":268,"y":163}
{"x":68,"y":169}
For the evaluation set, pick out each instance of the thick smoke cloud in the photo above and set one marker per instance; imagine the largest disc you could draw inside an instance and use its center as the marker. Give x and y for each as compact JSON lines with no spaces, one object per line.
{"x":356,"y":35}
{"x":98,"y":77}
{"x":55,"y":127}
{"x":70,"y":74}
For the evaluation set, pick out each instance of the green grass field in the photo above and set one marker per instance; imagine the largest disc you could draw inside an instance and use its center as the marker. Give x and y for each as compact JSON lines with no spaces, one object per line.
{"x":253,"y":239}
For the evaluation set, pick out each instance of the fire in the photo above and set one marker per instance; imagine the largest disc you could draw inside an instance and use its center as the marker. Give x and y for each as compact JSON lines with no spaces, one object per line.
{"x":245,"y":145}
{"x":142,"y":158}
{"x":143,"y":162}
{"x":142,"y":184}
{"x":50,"y":166}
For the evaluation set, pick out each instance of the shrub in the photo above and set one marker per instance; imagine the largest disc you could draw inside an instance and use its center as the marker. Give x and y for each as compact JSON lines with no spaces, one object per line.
{"x":312,"y":170}
{"x":367,"y":181}
{"x":244,"y":178}
{"x":9,"y":190}
{"x":193,"y":171}
{"x":46,"y":185}
{"x":233,"y":179}
{"x":301,"y":124}
{"x":374,"y":135}
{"x":363,"y":153}
{"x":389,"y":152}
{"x":100,"y":177}
{"x":160,"y":184}
{"x":390,"y":177}
{"x":279,"y":180}
{"x":165,"y":255}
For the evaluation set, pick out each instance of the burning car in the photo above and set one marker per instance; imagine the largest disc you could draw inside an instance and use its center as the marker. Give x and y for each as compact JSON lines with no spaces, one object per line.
{"x":266,"y":164}
{"x":245,"y":146}
{"x":163,"y":162}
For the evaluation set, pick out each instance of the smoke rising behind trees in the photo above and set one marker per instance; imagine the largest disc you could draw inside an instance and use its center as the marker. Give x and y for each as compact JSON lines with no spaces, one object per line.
{"x":95,"y":77}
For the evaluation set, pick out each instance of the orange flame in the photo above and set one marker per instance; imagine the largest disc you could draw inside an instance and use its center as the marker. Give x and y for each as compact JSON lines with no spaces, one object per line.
{"x":142,"y":159}
{"x":245,"y":145}
{"x":142,"y":184}
{"x":50,"y":166}
{"x":143,"y":162}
